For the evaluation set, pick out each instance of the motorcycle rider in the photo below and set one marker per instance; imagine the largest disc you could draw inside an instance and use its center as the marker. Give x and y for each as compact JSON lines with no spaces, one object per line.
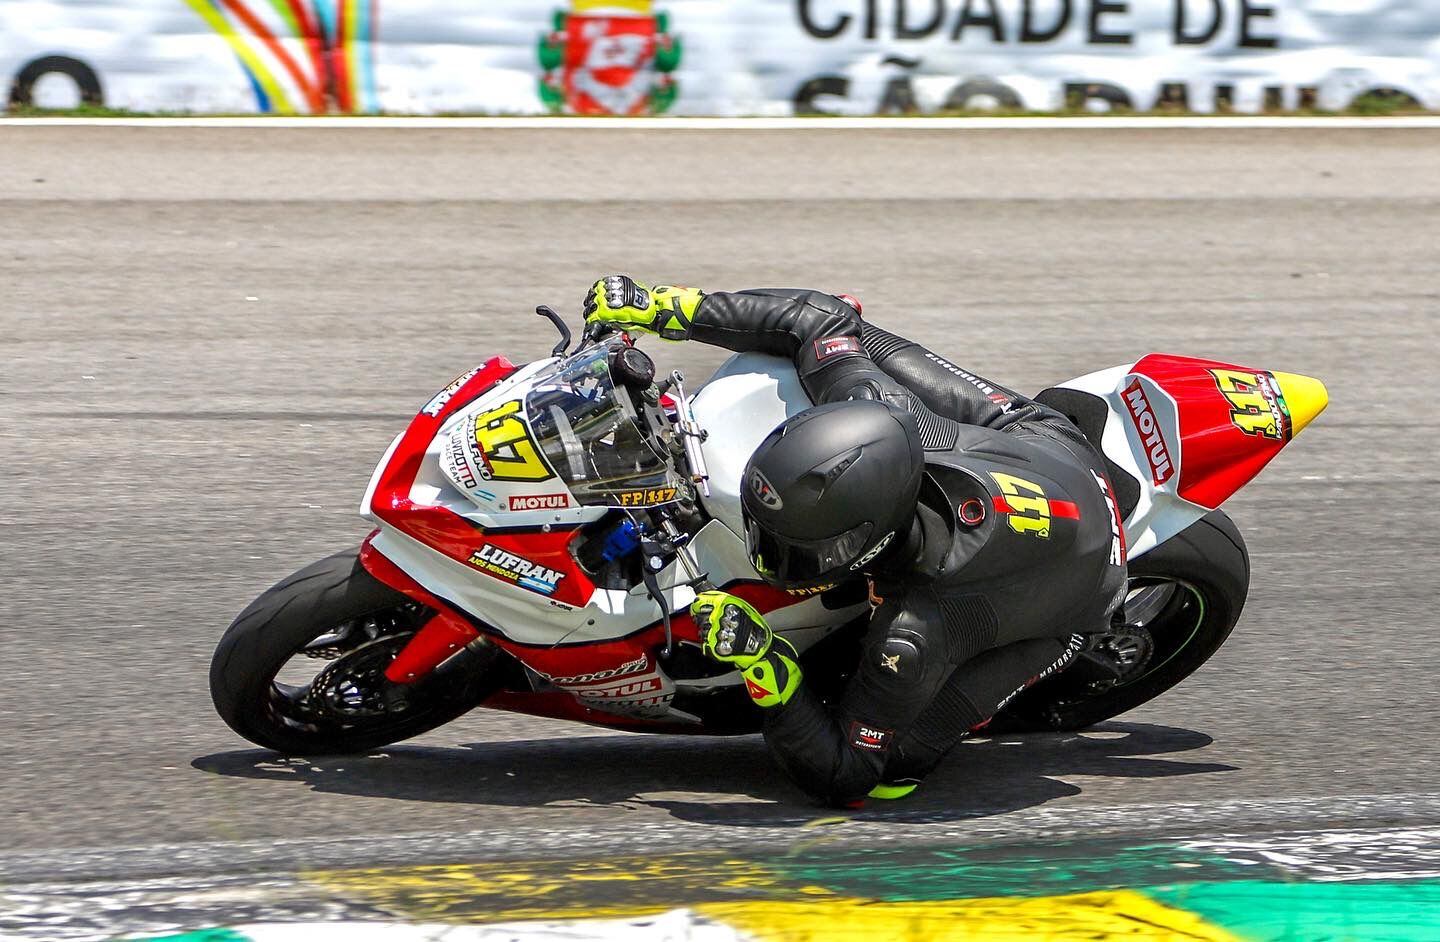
{"x":984,"y":522}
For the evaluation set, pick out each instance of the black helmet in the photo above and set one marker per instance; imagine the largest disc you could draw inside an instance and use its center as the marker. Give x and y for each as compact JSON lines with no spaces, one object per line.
{"x":829,"y":490}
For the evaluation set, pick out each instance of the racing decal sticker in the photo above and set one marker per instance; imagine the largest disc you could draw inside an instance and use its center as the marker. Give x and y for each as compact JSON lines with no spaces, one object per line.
{"x":647,"y":497}
{"x":517,"y":569}
{"x":1117,"y":529}
{"x":502,"y":445}
{"x":1157,"y":452}
{"x":580,"y":680}
{"x":837,"y":346}
{"x":1028,"y":509}
{"x":870,"y":738}
{"x":435,"y":406}
{"x":764,"y":492}
{"x":1256,"y":405}
{"x":635,"y":688}
{"x":540,"y":502}
{"x":457,"y":466}
{"x":816,"y":590}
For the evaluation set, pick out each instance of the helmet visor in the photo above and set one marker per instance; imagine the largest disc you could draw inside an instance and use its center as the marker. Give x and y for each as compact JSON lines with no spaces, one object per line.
{"x":798,"y":563}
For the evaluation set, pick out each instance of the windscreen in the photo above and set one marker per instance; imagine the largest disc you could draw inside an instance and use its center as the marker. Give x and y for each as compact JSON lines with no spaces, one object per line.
{"x":593,"y":437}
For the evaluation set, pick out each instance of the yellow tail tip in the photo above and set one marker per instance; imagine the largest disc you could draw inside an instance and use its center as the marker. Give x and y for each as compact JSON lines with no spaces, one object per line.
{"x":1306,"y":397}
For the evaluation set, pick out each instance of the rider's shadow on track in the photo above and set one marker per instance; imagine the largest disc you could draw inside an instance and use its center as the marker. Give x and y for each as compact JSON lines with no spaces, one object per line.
{"x":700,"y":779}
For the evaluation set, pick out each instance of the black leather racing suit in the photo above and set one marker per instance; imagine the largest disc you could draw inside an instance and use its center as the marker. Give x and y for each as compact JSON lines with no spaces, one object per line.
{"x":1017,"y":548}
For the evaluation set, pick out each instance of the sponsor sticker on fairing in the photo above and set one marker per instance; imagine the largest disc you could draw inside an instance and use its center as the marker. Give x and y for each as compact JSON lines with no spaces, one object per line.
{"x":572,"y":680}
{"x":539,"y":501}
{"x":648,"y":497}
{"x":506,"y":565}
{"x":435,"y":406}
{"x":1157,"y":452}
{"x":458,"y":467}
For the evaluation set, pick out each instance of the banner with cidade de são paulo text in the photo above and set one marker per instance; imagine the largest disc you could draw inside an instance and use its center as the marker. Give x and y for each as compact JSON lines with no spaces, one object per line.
{"x":716,"y":57}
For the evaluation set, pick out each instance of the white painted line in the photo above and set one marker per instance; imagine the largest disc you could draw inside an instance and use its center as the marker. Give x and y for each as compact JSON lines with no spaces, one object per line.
{"x":1334,"y":856}
{"x":674,"y":926}
{"x":1193,"y":820}
{"x":1098,"y":123}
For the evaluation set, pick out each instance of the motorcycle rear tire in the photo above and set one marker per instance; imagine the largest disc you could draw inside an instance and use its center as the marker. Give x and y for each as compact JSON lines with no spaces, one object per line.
{"x":1210,"y":559}
{"x":281,"y":622}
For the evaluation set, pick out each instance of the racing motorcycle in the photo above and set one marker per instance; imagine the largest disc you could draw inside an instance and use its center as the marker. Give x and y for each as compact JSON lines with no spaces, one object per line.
{"x":541,"y":529}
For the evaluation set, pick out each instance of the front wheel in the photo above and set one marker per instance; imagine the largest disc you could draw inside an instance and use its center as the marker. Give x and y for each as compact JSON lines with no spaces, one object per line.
{"x":301,"y":670}
{"x":1183,"y":599}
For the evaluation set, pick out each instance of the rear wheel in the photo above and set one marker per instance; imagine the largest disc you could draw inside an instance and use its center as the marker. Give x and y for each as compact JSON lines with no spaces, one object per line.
{"x":301,"y":670}
{"x":1183,"y":600}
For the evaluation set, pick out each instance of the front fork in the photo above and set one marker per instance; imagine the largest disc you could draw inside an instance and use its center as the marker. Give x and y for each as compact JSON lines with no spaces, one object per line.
{"x":439,"y":640}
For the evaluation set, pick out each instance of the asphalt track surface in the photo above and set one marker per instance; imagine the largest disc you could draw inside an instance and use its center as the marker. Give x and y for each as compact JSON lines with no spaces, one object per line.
{"x":210,"y":336}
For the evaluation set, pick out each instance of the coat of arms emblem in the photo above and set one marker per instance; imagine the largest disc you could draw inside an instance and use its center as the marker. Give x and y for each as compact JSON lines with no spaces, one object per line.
{"x":609,"y":57}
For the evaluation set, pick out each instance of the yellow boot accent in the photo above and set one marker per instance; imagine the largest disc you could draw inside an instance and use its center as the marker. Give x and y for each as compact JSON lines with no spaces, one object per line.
{"x":891,"y":792}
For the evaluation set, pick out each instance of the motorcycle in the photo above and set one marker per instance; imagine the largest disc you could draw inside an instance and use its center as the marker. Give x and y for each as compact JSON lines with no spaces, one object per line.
{"x":541,"y":529}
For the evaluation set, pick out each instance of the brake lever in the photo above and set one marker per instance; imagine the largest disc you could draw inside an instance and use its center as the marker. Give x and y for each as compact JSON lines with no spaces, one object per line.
{"x":653,"y":551}
{"x":547,"y":312}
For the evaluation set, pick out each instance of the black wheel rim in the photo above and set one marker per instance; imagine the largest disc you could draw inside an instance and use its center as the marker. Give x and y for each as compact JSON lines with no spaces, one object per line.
{"x":1171,"y":611}
{"x":347,"y":693}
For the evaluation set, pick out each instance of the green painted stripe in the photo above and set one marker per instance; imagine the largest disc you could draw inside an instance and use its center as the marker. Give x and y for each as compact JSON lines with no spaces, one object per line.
{"x":1292,"y":912}
{"x":910,"y":874}
{"x":202,"y":935}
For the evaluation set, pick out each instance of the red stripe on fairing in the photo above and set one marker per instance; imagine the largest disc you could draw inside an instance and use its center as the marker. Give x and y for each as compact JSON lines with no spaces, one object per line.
{"x":441,"y":528}
{"x":456,"y":537}
{"x":1064,"y":508}
{"x":1001,"y":506}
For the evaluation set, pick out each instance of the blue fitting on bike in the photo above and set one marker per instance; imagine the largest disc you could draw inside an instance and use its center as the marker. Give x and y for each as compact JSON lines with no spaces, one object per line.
{"x":621,"y":541}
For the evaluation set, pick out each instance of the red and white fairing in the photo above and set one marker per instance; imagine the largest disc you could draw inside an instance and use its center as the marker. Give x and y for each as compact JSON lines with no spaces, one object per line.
{"x":498,"y":550}
{"x":501,"y":552}
{"x":1192,"y":432}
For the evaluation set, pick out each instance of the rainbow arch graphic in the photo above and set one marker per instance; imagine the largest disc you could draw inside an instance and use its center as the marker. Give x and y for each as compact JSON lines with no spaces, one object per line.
{"x":301,"y":56}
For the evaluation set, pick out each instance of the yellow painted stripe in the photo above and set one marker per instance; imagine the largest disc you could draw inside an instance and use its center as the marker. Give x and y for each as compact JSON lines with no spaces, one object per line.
{"x":749,"y":896}
{"x":621,"y":886}
{"x":217,"y":21}
{"x":1121,"y":914}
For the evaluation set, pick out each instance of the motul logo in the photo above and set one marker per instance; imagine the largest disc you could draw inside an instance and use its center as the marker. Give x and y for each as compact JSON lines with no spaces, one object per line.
{"x":1156,"y":451}
{"x":540,"y":502}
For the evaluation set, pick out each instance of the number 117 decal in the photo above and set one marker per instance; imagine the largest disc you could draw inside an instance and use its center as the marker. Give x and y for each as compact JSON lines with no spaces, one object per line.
{"x":502,"y":444}
{"x":1256,"y":406}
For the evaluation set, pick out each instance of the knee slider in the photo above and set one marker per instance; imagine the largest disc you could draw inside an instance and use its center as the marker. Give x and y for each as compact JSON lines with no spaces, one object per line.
{"x":900,"y":658}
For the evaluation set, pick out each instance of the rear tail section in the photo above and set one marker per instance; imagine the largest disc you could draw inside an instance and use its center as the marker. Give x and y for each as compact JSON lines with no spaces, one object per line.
{"x":1188,"y":433}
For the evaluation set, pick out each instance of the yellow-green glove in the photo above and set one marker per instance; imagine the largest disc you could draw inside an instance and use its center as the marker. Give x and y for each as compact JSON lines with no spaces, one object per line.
{"x":621,"y":301}
{"x":733,"y":633}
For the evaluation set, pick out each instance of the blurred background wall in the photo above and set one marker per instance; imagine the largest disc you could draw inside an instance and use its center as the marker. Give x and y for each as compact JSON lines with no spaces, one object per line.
{"x":718,"y":57}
